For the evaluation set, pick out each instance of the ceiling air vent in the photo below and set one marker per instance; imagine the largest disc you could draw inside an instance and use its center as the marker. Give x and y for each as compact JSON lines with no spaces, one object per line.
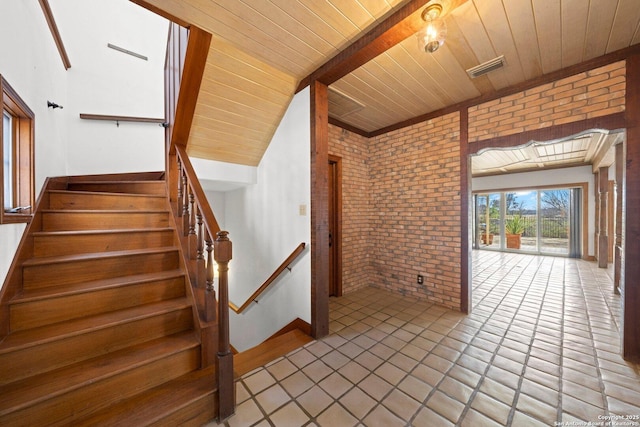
{"x":341,"y":105}
{"x":485,"y":67}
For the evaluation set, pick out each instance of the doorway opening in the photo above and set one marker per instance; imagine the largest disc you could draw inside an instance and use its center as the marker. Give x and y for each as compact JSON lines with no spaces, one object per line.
{"x":536,"y":182}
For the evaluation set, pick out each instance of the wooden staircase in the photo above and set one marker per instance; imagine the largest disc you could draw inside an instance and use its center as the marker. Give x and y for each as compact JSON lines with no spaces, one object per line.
{"x":98,"y":313}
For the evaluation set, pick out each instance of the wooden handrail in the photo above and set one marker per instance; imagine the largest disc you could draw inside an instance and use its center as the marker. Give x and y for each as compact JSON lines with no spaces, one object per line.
{"x":198,"y":193}
{"x":297,"y":251}
{"x":204,"y":244}
{"x":118,"y":119}
{"x":48,"y":15}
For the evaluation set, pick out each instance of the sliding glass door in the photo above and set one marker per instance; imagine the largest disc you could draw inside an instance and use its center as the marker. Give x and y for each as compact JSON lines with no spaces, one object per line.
{"x":554,"y":221}
{"x":532,"y":221}
{"x":521,"y":220}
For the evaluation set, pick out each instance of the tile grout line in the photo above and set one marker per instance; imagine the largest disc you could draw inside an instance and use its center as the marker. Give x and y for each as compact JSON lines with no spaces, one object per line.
{"x":605,"y":402}
{"x":516,"y":397}
{"x":561,"y":364}
{"x":482,"y":376}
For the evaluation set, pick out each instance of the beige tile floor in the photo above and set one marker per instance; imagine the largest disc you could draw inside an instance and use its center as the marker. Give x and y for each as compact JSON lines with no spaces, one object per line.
{"x":541,"y":348}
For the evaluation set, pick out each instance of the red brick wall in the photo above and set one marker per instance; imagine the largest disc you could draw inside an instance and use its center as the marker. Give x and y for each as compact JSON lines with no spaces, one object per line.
{"x":415,"y":172}
{"x":353,"y":149}
{"x":401,"y":190}
{"x":593,"y":93}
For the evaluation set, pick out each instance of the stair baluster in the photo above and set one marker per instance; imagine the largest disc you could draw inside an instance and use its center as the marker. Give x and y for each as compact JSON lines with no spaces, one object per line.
{"x":191,"y":237}
{"x":185,"y":205}
{"x":180,"y":185}
{"x":210,"y":294}
{"x":200,"y":262}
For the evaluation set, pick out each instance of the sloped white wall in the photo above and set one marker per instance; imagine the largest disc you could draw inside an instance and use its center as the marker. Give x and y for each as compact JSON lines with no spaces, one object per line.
{"x":100,"y":81}
{"x":265,"y":226}
{"x":30,"y":63}
{"x":105,"y":81}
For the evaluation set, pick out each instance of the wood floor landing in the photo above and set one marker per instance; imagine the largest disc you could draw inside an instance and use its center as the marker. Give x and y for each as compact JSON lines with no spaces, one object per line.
{"x":268,"y":351}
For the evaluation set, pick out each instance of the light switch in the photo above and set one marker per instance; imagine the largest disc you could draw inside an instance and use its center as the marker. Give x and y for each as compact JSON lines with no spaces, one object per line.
{"x":303,"y":210}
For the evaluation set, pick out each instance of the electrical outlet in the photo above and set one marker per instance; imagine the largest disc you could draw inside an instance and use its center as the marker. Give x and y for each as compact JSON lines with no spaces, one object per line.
{"x":420,"y":279}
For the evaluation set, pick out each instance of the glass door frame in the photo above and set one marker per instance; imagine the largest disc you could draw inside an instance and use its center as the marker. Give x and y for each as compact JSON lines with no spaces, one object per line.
{"x":503,"y":208}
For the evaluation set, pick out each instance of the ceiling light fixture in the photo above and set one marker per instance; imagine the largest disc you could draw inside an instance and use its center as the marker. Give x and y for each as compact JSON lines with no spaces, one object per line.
{"x":432,"y":36}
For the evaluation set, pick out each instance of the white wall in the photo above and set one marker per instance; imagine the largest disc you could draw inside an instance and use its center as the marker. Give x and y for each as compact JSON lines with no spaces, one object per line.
{"x":265,"y":226}
{"x":218,"y":178}
{"x":10,"y":235}
{"x":104,"y":81}
{"x":551,"y":177}
{"x":100,"y":81}
{"x":30,"y":63}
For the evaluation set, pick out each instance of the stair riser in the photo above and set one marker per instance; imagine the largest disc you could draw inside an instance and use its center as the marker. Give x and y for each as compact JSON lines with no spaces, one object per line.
{"x":53,"y":310}
{"x":56,"y":354}
{"x":80,"y":271}
{"x":74,"y":200}
{"x":56,"y":245}
{"x":150,"y":187}
{"x":67,"y":221}
{"x":196,"y":414}
{"x":64,"y":409}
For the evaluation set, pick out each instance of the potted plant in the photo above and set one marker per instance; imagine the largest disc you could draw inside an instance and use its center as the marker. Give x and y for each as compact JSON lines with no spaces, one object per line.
{"x":514,"y":227}
{"x":487,"y":238}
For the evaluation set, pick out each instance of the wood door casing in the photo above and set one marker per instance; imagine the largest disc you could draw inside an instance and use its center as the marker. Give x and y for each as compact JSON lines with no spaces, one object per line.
{"x":334,"y":181}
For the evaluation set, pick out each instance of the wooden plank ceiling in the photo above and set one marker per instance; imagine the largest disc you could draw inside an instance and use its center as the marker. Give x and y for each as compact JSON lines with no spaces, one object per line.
{"x":262,"y":49}
{"x":590,"y":148}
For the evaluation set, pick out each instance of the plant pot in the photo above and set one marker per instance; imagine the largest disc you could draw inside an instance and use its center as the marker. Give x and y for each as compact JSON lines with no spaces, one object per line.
{"x":484,"y":239}
{"x":513,"y":241}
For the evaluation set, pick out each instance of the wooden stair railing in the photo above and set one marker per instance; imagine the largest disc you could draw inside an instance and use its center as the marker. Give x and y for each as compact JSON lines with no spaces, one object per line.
{"x":197,"y":227}
{"x":285,"y":265}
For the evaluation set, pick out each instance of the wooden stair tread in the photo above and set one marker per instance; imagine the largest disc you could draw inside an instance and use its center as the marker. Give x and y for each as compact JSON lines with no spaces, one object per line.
{"x":42,"y":387}
{"x":268,"y":351}
{"x":74,"y":289}
{"x":103,"y":193}
{"x":155,"y":404}
{"x":105,"y":231}
{"x":95,"y":256}
{"x":103,"y":211}
{"x":32,"y":337}
{"x":158,"y":187}
{"x":114,"y":181}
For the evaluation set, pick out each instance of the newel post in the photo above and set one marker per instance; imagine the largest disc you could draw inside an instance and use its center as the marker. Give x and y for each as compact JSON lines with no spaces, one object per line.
{"x":224,"y":361}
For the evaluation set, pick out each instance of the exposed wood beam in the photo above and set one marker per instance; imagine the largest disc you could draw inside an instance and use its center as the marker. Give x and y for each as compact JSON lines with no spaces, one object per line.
{"x":631,"y":290}
{"x":465,"y":215}
{"x":319,"y":210}
{"x":348,"y":127}
{"x":538,"y":81}
{"x":391,"y":31}
{"x":147,"y":5}
{"x":48,"y":14}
